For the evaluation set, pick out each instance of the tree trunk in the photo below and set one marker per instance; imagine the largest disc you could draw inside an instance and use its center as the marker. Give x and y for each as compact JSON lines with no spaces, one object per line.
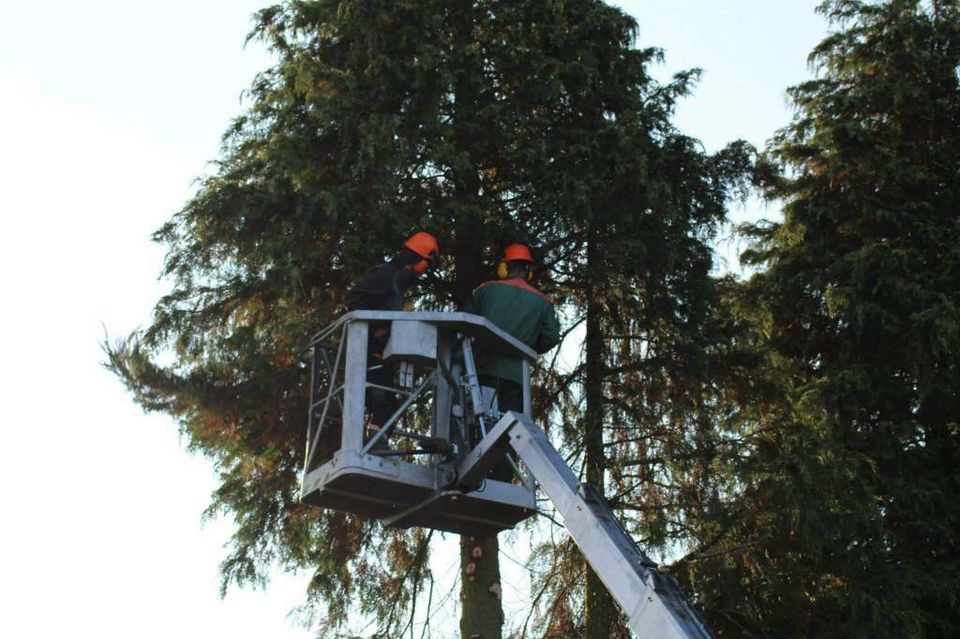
{"x":599,"y":605}
{"x":467,"y":255}
{"x":482,"y":612}
{"x":481,"y":616}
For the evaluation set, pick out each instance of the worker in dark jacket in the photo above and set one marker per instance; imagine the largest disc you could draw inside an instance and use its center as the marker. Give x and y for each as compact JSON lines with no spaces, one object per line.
{"x":382,"y":289}
{"x":513,"y":304}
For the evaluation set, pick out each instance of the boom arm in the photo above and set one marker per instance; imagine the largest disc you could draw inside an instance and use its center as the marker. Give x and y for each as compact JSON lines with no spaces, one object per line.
{"x":651,"y":600}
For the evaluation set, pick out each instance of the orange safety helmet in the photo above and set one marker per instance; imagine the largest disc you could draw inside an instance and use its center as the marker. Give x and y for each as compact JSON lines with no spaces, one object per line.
{"x":426,"y":246}
{"x":423,"y":244}
{"x":515,"y":253}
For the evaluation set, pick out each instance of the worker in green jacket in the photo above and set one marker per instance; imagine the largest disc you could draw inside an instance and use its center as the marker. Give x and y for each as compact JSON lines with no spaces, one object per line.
{"x":513,"y":304}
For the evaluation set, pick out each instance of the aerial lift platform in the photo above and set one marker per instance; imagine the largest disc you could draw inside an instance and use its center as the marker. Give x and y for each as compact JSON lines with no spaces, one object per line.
{"x":406,"y":474}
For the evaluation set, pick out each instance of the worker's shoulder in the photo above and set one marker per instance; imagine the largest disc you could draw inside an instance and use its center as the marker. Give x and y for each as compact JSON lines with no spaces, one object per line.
{"x":386,"y":269}
{"x":515,"y":283}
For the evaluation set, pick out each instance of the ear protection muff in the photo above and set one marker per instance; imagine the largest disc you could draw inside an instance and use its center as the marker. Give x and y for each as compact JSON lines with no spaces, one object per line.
{"x":503,"y":272}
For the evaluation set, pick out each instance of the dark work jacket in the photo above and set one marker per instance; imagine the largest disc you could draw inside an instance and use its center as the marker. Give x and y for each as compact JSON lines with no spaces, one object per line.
{"x":381,"y":288}
{"x":520,"y":310}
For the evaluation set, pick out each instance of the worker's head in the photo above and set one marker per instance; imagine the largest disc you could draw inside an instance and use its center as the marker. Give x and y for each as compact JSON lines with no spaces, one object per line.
{"x":516,"y":261}
{"x":421,"y":250}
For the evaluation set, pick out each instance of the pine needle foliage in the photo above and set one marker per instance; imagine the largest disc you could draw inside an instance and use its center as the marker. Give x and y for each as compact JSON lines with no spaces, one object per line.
{"x":851,"y":508}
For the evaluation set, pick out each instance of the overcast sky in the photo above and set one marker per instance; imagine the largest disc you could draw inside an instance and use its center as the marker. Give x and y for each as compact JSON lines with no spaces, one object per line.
{"x":109,"y":111}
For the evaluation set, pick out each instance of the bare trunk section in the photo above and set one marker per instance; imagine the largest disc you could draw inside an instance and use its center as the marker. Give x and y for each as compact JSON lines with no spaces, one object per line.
{"x":481,"y":614}
{"x":600,"y":608}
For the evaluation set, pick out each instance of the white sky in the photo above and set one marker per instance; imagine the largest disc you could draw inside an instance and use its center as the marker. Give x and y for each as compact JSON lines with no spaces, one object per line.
{"x":108,"y":111}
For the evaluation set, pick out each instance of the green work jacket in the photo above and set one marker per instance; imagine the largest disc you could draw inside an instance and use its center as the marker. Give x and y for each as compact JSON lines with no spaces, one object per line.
{"x":520,"y":310}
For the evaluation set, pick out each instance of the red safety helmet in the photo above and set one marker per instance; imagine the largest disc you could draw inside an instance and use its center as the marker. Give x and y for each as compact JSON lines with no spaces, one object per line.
{"x":517,"y":253}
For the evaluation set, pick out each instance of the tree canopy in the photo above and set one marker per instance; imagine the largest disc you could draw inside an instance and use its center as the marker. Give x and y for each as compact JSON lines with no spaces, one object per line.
{"x":851,"y":496}
{"x":790,"y":440}
{"x":484,"y":122}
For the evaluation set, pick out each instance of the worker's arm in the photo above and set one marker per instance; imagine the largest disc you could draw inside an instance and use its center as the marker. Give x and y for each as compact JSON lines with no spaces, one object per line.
{"x":372,"y":292}
{"x":473,"y":304}
{"x":549,"y":331}
{"x":360,"y":296}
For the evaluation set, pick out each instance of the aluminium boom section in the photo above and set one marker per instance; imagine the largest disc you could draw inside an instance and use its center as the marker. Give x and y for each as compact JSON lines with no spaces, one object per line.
{"x":652,"y":600}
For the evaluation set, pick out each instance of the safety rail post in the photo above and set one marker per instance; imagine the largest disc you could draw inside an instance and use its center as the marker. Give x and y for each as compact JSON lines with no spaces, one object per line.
{"x":307,"y":454}
{"x":443,"y":391}
{"x":527,"y":399}
{"x":354,"y":385}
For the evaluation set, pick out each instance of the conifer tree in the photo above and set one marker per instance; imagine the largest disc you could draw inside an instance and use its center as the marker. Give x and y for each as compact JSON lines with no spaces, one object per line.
{"x":635,"y":214}
{"x":480,"y":121}
{"x":638,"y":410}
{"x":851,"y":501}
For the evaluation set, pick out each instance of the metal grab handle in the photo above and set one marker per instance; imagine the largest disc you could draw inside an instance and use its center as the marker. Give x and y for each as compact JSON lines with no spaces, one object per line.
{"x":473,"y":382}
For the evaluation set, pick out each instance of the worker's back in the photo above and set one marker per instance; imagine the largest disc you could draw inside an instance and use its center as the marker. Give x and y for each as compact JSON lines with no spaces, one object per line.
{"x":521,"y":310}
